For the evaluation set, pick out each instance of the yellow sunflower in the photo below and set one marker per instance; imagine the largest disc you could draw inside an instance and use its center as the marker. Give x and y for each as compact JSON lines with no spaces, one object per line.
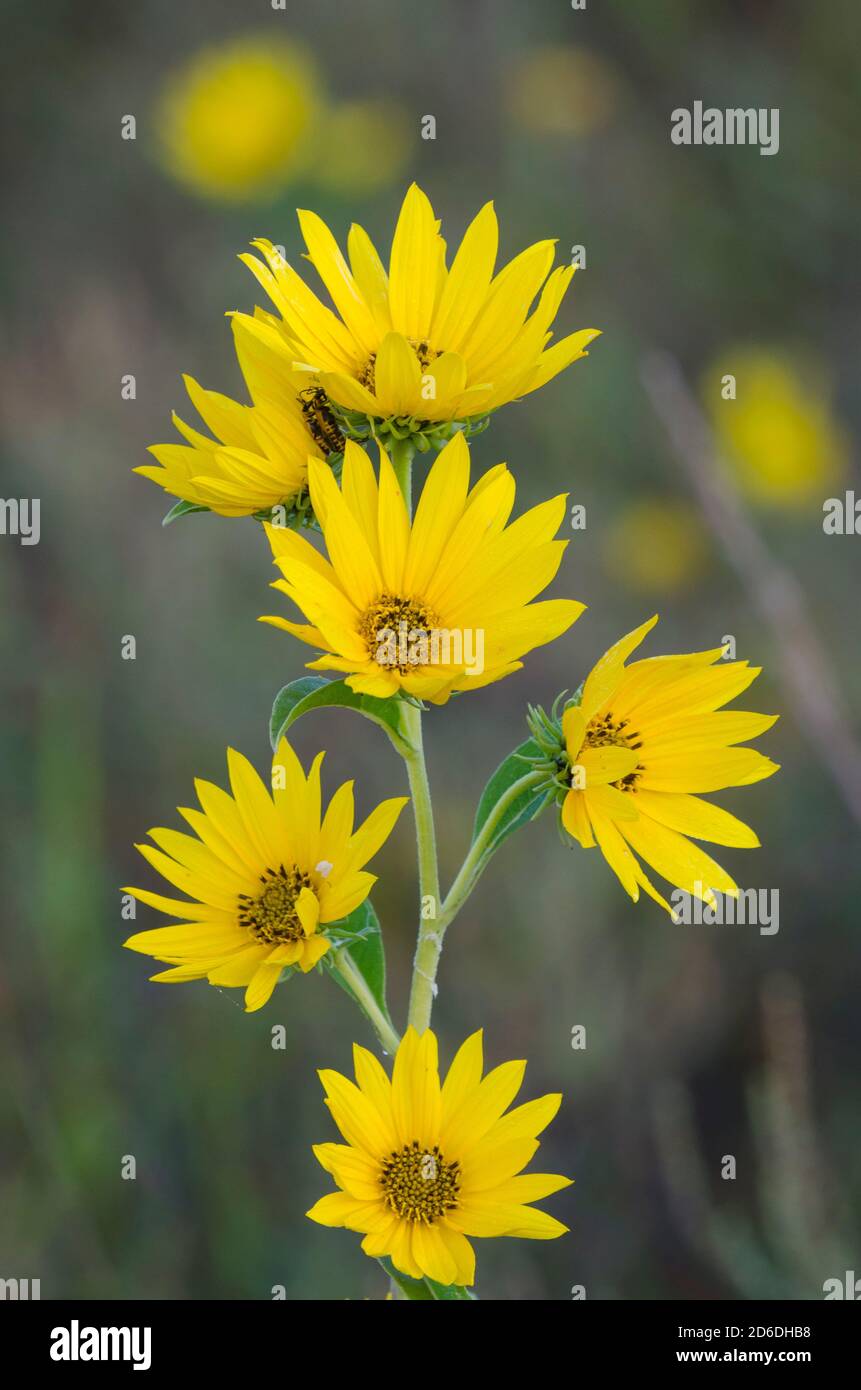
{"x":425,"y":1165}
{"x":642,"y":744}
{"x":235,"y":120}
{"x":432,"y":606}
{"x":421,"y":343}
{"x":259,"y":456}
{"x":780,"y":435}
{"x":264,"y":875}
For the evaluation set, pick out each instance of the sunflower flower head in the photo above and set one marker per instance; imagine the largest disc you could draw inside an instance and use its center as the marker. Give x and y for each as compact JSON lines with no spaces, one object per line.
{"x":427,"y":1164}
{"x":420,"y":347}
{"x":265,"y":873}
{"x":255,"y":458}
{"x":631,"y":754}
{"x":425,"y":607}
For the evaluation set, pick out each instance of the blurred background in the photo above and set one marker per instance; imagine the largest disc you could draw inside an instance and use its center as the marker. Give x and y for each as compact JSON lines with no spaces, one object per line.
{"x":121,"y":259}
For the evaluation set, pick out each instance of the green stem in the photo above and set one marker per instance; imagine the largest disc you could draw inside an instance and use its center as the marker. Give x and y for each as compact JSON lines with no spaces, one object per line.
{"x":426,"y":959}
{"x":358,"y":986}
{"x":432,"y":931}
{"x":473,"y":865}
{"x":428,"y":945}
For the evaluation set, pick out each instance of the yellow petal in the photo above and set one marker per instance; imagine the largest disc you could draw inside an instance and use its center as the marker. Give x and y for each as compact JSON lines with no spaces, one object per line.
{"x":313,"y":950}
{"x":349,"y":552}
{"x":615,"y":805}
{"x":397,"y":376}
{"x":261,"y":986}
{"x":463,"y":1077}
{"x":616,"y":851}
{"x":308,"y":911}
{"x":690,"y":815}
{"x":333,"y":270}
{"x":416,"y":1090}
{"x":708,"y":772}
{"x":338,"y":1209}
{"x":432,"y":1255}
{"x":359,"y":1122}
{"x":239,"y":969}
{"x":493,"y":1161}
{"x":676,"y":858}
{"x":440,"y":507}
{"x":468,"y":280}
{"x":484,"y":1218}
{"x":370,"y":276}
{"x":528,"y":1120}
{"x":373,"y":832}
{"x":475,"y":1116}
{"x":529,"y":1187}
{"x":351,"y":1169}
{"x":254,"y":803}
{"x":606,"y":675}
{"x":462,"y":1253}
{"x":609,"y":763}
{"x":373,"y":1082}
{"x":442,"y":386}
{"x":575,"y":819}
{"x":573,"y":729}
{"x":414,"y":266}
{"x":197,"y":940}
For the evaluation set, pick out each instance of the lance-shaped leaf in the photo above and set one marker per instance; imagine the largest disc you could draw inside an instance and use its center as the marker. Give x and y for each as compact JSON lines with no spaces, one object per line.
{"x":182,"y":509}
{"x":424,"y":1290}
{"x":316,"y":692}
{"x":360,"y":936}
{"x":521,"y":809}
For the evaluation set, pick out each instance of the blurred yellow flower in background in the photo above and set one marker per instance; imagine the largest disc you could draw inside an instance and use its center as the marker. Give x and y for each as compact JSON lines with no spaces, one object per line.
{"x":362,"y":146}
{"x":656,"y":546}
{"x":563,"y":91}
{"x":780,"y":434}
{"x":236,"y":119}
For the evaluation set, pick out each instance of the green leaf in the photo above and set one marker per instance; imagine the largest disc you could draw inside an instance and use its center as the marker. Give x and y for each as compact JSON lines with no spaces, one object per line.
{"x":416,"y":1289}
{"x":360,"y":936}
{"x":423,"y":1290}
{"x":316,"y":692}
{"x":182,"y":509}
{"x":450,"y":1291}
{"x":525,"y":807}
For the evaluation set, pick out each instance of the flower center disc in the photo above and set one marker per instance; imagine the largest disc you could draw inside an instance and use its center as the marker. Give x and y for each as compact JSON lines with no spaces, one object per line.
{"x":272,"y":916}
{"x":418,"y":1184}
{"x":423,"y":351}
{"x":397,"y":632}
{"x":608,"y":731}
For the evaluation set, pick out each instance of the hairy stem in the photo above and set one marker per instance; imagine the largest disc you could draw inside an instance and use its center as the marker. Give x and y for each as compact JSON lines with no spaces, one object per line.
{"x":479,"y":852}
{"x":428,"y":945}
{"x":426,"y":959}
